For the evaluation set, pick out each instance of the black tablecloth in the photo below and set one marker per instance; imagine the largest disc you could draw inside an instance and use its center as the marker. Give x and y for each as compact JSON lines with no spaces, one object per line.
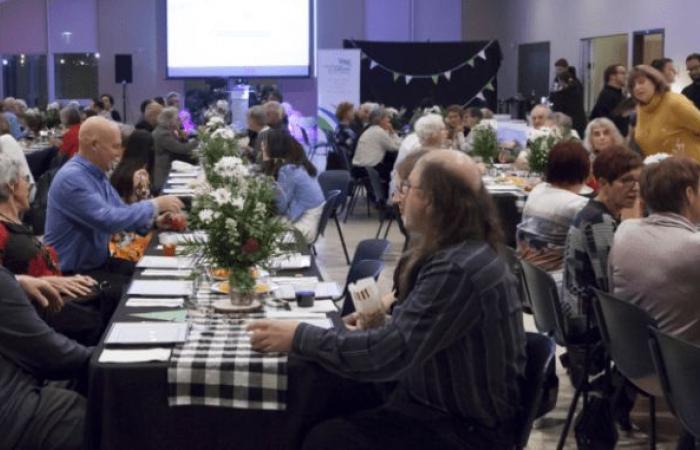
{"x":128,"y":407}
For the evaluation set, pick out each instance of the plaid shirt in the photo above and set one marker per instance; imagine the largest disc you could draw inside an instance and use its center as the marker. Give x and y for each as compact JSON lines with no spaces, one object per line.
{"x":455,"y":345}
{"x":586,"y":256}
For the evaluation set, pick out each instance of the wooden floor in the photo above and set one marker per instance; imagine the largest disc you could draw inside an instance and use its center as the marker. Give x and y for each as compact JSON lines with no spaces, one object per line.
{"x":546,"y":435}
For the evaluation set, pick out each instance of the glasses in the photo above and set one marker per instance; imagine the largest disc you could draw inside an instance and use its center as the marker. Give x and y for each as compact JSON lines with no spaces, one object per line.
{"x":406,"y":186}
{"x":628,"y":181}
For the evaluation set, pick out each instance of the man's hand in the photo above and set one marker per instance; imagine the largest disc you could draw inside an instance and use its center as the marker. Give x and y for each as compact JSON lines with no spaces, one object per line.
{"x":168,"y":203}
{"x":75,"y":286}
{"x":41,"y":292}
{"x":272,"y":335}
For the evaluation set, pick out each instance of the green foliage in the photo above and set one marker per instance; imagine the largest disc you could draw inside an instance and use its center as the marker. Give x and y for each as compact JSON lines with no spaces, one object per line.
{"x":485,"y":144}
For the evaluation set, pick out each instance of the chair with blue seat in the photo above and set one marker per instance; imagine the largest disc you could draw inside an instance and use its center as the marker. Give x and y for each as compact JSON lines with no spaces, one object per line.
{"x":340,"y":180}
{"x":387,"y":214}
{"x":677,"y":364}
{"x":624,"y":328}
{"x":361,"y":269}
{"x":540,"y":351}
{"x":373,"y":249}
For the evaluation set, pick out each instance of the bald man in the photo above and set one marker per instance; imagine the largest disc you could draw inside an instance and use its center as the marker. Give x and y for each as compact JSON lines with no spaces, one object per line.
{"x":84,"y":210}
{"x":454,"y":346}
{"x":539,"y":116}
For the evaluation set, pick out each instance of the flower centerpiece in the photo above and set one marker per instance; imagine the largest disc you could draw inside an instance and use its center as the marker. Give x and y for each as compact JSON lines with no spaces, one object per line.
{"x":236,"y":208}
{"x":540,"y":142}
{"x":485,"y":143}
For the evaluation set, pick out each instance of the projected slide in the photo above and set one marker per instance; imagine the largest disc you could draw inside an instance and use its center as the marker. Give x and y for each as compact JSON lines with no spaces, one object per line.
{"x":238,"y":38}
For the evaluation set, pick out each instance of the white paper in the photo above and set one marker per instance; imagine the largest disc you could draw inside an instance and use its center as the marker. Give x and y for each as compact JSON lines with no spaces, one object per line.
{"x":166,"y":273}
{"x":292,"y":261}
{"x":178,"y":191}
{"x":160,"y":288}
{"x":147,"y":333}
{"x":151,"y":302}
{"x":190,"y":174}
{"x":165,"y":262}
{"x":182,"y":166}
{"x":320,"y":307}
{"x":136,"y":355}
{"x":321,"y":323}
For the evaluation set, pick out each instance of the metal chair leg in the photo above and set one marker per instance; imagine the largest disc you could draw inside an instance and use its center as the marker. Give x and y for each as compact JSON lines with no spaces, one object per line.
{"x":351,"y":205}
{"x":388,"y":227}
{"x":342,"y":239}
{"x":652,"y":421}
{"x":569,"y":418}
{"x":379,"y":231}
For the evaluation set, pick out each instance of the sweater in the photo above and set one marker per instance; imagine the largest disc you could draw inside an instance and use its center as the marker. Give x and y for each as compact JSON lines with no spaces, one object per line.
{"x":669,"y":123}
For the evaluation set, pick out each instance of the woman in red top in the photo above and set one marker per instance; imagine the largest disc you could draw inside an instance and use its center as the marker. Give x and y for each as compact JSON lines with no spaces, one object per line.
{"x":70,"y":118}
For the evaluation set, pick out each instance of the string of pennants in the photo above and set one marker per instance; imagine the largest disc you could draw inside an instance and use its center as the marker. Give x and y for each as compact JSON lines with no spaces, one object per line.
{"x":447,"y":74}
{"x":480,"y":95}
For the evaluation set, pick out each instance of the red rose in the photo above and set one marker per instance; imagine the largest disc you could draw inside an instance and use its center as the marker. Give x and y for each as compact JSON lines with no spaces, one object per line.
{"x":251,"y":246}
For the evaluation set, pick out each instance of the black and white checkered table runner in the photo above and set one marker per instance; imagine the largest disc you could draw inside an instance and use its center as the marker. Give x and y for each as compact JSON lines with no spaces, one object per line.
{"x":217,"y":367}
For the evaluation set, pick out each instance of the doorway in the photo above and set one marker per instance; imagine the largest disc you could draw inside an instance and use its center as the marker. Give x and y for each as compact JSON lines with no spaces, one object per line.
{"x":533,"y":70}
{"x":596,"y":54}
{"x":647,"y":46}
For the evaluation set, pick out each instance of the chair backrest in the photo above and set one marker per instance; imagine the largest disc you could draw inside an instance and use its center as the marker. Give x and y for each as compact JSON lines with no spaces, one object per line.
{"x":624,"y":327}
{"x":540,"y":351}
{"x":328,"y":208}
{"x":678,"y":365}
{"x":344,"y":157}
{"x":375,"y":183}
{"x":332,"y":180}
{"x":373,"y":249}
{"x":359,"y":270}
{"x":542,"y":291}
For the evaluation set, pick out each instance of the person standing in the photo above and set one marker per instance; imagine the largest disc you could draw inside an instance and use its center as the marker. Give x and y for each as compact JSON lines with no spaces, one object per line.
{"x":567,"y":96}
{"x":692,"y":91}
{"x":611,"y":97}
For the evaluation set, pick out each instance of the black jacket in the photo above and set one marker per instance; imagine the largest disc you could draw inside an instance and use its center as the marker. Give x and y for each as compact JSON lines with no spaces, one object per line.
{"x":569,"y":100}
{"x":608,"y":100}
{"x":692,"y":91}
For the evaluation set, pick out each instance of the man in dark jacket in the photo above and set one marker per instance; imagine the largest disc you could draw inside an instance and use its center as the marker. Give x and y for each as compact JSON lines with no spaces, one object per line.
{"x":611,"y":96}
{"x":692,"y":91}
{"x":567,"y":96}
{"x":33,"y":415}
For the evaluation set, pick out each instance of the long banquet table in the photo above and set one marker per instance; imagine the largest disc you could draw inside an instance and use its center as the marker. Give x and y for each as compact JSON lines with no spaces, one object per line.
{"x":128,"y":404}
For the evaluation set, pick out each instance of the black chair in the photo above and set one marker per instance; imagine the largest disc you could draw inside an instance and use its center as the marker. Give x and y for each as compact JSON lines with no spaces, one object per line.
{"x":325,"y":215}
{"x":373,"y":249}
{"x":542,"y":291}
{"x":362,"y":269}
{"x":340,"y":180}
{"x":387,"y":213}
{"x":540,"y":352}
{"x":623,"y":328}
{"x":513,"y":261}
{"x":327,"y":147}
{"x":677,"y":364}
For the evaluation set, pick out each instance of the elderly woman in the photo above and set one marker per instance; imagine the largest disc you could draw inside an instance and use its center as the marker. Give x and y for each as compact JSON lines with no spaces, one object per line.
{"x":167,"y":146}
{"x":23,"y":254}
{"x":551,"y":207}
{"x":601,"y":134}
{"x":666,"y":122}
{"x":378,"y":144}
{"x":70,"y":119}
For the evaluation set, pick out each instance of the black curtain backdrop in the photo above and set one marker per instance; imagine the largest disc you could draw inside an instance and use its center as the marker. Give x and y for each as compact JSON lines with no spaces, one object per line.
{"x":425,"y":59}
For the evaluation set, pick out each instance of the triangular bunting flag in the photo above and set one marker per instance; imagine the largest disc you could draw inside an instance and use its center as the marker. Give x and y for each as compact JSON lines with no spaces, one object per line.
{"x":470,"y":63}
{"x":396,"y":76}
{"x":408,"y":79}
{"x":480,"y":96}
{"x":482,"y":54}
{"x":372,"y":64}
{"x":489,"y":87}
{"x":448,"y":75}
{"x":363,"y":56}
{"x":435,"y":78}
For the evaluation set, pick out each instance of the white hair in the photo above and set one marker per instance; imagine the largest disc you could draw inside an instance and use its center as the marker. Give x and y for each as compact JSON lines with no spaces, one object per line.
{"x":168,"y":118}
{"x":12,"y":164}
{"x":257,"y":114}
{"x":429,"y":127}
{"x":602,"y":122}
{"x":274,"y":107}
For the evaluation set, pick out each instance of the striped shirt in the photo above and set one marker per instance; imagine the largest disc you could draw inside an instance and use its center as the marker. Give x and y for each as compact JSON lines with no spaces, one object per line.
{"x":455,"y":345}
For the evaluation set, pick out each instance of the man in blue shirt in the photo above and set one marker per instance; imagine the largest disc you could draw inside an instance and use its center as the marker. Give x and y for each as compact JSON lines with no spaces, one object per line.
{"x":10,"y":113}
{"x":84,"y":209}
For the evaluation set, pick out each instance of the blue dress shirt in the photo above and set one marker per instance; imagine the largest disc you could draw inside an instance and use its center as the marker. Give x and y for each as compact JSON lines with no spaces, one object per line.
{"x":297,"y":192}
{"x":84,"y":210}
{"x":15,"y":128}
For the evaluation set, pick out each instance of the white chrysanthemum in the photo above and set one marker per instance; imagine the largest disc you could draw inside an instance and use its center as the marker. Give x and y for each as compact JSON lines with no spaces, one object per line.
{"x":206,"y":215}
{"x":238,"y":202}
{"x":485,"y":124}
{"x":231,"y":167}
{"x":221,"y":196}
{"x":216,"y":122}
{"x":224,"y":133}
{"x":231,"y":224}
{"x":655,"y":158}
{"x":260,"y":208}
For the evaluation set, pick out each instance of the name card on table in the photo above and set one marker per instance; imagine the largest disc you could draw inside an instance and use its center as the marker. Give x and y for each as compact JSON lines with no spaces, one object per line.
{"x":291,"y":262}
{"x":165,"y":262}
{"x":137,"y":333}
{"x":139,"y":355}
{"x":160,"y":288}
{"x":155,"y":302}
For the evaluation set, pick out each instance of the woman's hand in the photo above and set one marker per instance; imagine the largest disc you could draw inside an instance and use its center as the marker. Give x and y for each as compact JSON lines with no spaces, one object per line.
{"x":74,"y":286}
{"x":40,"y":291}
{"x":272,"y":335}
{"x":353,"y":322}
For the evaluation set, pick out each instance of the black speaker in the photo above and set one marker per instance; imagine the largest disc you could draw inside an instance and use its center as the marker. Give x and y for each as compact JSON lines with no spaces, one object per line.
{"x":122,"y":69}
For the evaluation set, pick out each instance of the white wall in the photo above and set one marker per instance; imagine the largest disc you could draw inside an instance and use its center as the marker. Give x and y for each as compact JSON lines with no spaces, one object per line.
{"x":565,"y":22}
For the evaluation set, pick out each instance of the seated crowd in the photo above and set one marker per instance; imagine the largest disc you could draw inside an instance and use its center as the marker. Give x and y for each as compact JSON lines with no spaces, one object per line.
{"x":447,"y":366}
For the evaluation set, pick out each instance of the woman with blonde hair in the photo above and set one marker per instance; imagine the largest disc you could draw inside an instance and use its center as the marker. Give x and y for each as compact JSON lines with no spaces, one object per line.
{"x":601,"y":134}
{"x":666,"y":122}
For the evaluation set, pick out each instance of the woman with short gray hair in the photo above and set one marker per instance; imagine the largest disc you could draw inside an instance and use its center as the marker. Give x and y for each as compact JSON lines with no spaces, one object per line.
{"x":378,"y":145}
{"x":168,"y":147}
